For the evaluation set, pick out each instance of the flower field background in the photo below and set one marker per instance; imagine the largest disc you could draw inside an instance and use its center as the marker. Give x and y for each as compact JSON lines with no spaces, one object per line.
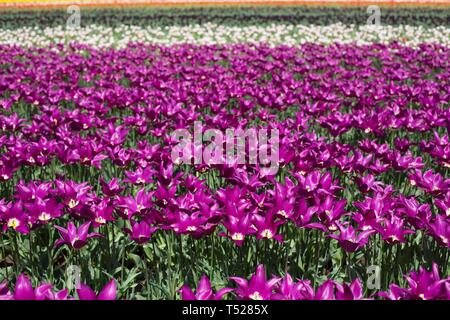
{"x":92,"y":206}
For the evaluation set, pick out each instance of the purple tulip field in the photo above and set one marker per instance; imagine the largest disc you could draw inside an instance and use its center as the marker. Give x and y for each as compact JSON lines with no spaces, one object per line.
{"x":266,"y":169}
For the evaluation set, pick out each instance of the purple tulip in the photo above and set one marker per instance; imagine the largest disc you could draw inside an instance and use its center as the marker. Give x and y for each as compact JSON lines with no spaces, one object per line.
{"x":349,"y":240}
{"x":267,"y":227}
{"x":392,"y":230}
{"x":5,"y":294}
{"x":287,"y":289}
{"x":24,"y":291}
{"x":75,"y":237}
{"x":238,"y":228}
{"x":349,"y":292}
{"x":440,"y":230}
{"x":203,"y":292}
{"x":15,"y":218}
{"x":112,"y":188}
{"x":258,"y":287}
{"x":140,"y":232}
{"x":423,"y":285}
{"x":109,"y":292}
{"x":73,"y":194}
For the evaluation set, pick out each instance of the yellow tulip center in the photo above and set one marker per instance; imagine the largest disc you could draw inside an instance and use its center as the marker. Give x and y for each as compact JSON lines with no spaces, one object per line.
{"x":237,"y":236}
{"x":44,"y":216}
{"x":73,"y":203}
{"x":283,"y":213}
{"x":13,"y":223}
{"x":100,"y":220}
{"x":267,"y":234}
{"x":256,"y":296}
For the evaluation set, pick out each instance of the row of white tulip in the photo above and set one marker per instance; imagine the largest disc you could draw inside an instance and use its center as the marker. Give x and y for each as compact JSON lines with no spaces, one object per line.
{"x":209,"y":33}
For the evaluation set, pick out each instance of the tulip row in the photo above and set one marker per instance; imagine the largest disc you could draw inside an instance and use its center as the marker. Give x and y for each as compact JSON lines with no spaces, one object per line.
{"x":231,"y":16}
{"x":423,"y":285}
{"x":88,"y":181}
{"x":24,"y":291}
{"x":211,"y":33}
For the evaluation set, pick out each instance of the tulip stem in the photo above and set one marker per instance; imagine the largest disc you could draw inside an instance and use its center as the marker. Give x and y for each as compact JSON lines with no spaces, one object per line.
{"x":181,"y":250}
{"x":256,"y":252}
{"x":4,"y":257}
{"x":109,"y":247}
{"x":344,"y":262}
{"x":30,"y":253}
{"x":123,"y":259}
{"x":16,"y":254}
{"x":212,"y":252}
{"x":49,"y":250}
